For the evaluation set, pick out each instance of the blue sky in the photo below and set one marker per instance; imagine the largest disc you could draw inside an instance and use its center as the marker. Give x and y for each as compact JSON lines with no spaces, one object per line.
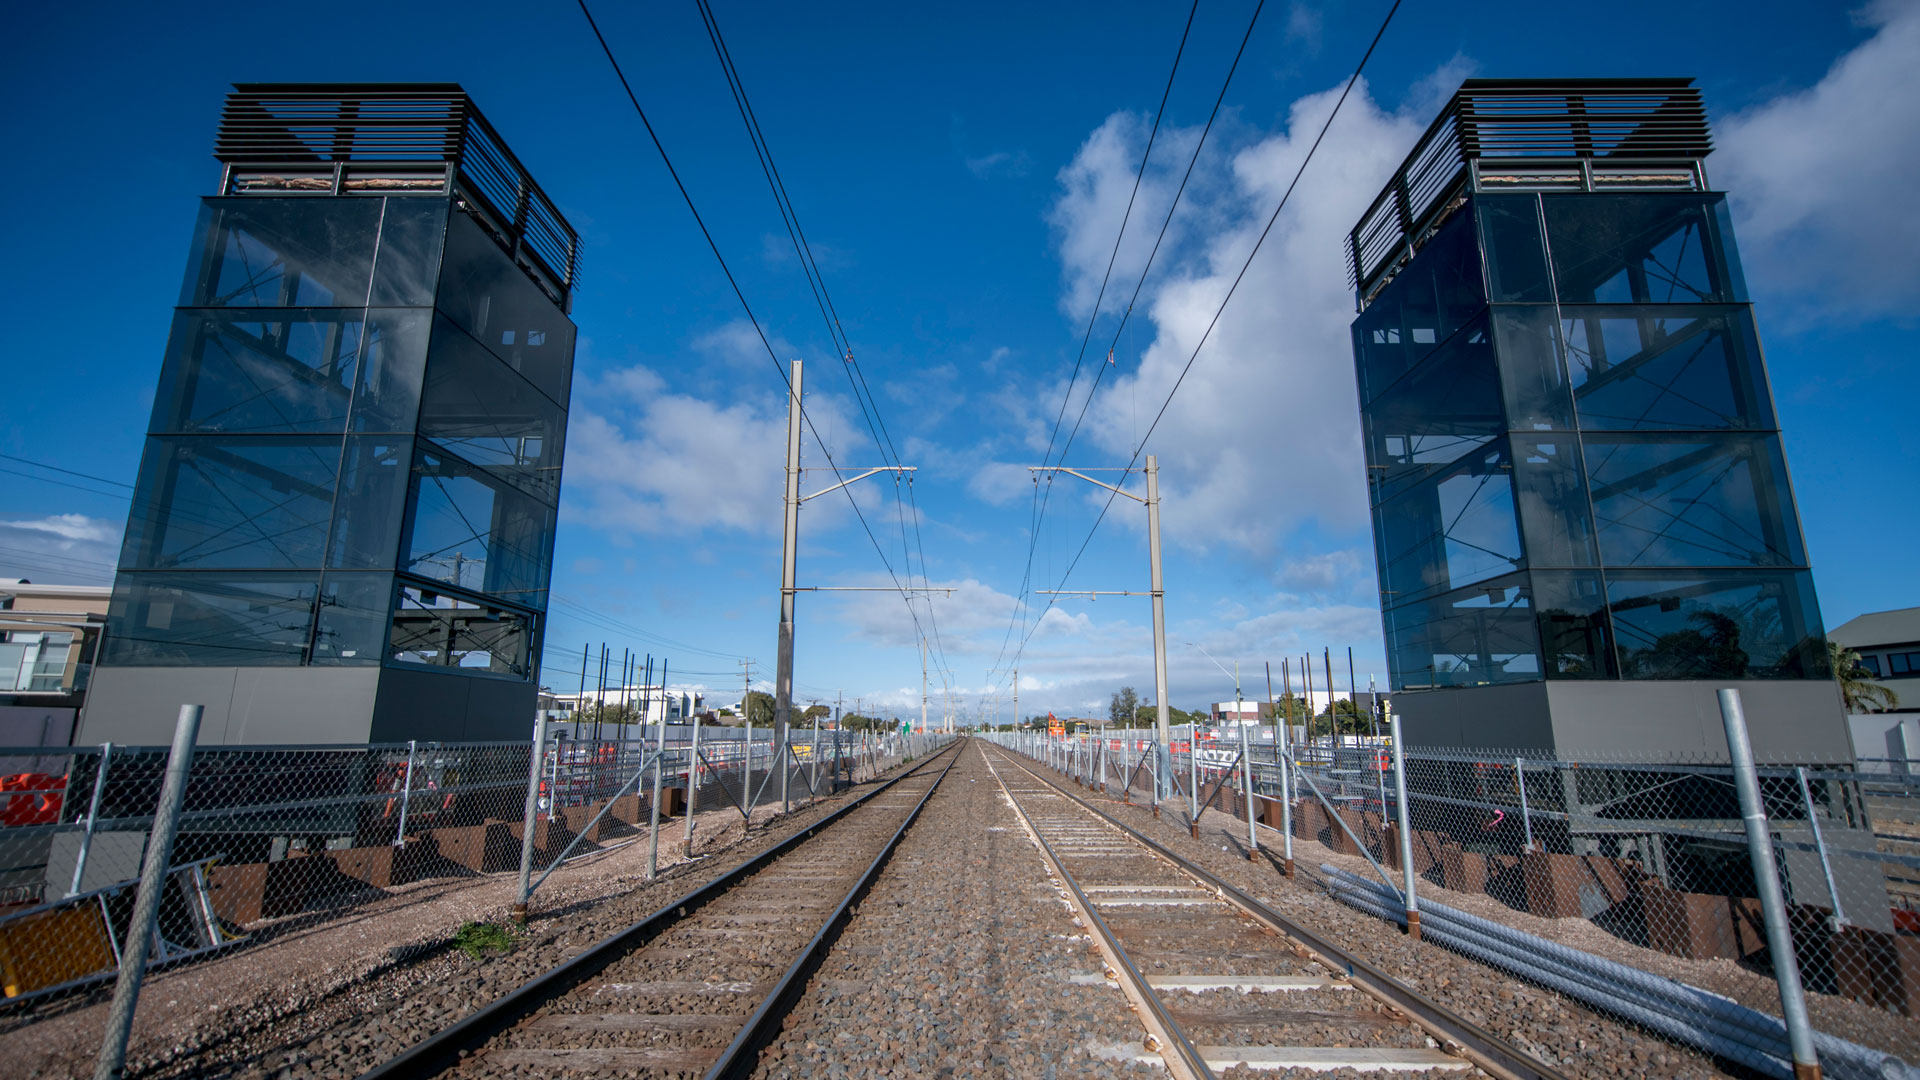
{"x":961,"y":174}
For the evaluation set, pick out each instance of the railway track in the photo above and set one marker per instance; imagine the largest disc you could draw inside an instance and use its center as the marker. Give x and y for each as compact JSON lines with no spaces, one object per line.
{"x":1218,"y":979}
{"x":701,"y":985}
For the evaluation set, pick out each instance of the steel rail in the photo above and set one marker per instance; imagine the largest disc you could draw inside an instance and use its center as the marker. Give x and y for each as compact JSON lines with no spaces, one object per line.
{"x":441,"y":1052}
{"x":1485,"y":1049}
{"x":1166,"y":1038}
{"x":742,"y":1055}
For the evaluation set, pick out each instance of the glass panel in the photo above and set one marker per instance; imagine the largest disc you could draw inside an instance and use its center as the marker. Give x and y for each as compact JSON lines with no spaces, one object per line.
{"x":210,"y":619}
{"x":232,"y":503}
{"x":1872,"y":664}
{"x":1471,"y":637}
{"x":1709,"y":500}
{"x":1447,"y":408}
{"x":1552,"y":492}
{"x":470,"y":530}
{"x":475,"y":407}
{"x":235,"y":372}
{"x":392,"y":366}
{"x":1432,"y":298}
{"x":1725,"y":625}
{"x":494,"y":300}
{"x":351,"y":627}
{"x":1453,"y":528}
{"x":1663,"y":368}
{"x":1516,"y":252}
{"x":1574,"y":637}
{"x":447,"y":631}
{"x":1638,"y":249}
{"x":371,"y":503}
{"x":412,"y":231}
{"x":291,"y":252}
{"x":1527,"y":340}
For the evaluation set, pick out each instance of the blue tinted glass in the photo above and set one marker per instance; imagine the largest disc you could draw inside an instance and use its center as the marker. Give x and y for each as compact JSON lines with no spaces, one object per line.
{"x":1552,"y":491}
{"x":1516,"y":252}
{"x":254,"y":503}
{"x":1643,"y":248}
{"x":1454,"y":527}
{"x":472,"y":531}
{"x":1717,"y":625}
{"x":282,"y":252}
{"x":257,"y":371}
{"x":412,"y":231}
{"x":1443,"y":410}
{"x":1471,"y":637}
{"x":207,"y":619}
{"x":492,"y":299}
{"x":1574,"y":637}
{"x":372,"y":502}
{"x":1708,"y":500}
{"x":1527,"y":340}
{"x":475,"y":407}
{"x":1436,"y":294}
{"x":351,"y":625}
{"x":1665,"y":368}
{"x":435,"y":629}
{"x":392,"y":367}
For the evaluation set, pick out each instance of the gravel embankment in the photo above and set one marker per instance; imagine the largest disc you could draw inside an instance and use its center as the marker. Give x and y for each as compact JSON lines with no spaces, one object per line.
{"x":335,"y":999}
{"x":959,"y":963}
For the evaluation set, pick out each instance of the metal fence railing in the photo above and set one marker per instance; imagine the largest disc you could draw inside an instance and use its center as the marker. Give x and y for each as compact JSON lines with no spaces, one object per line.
{"x":1637,"y":880}
{"x":266,"y":839}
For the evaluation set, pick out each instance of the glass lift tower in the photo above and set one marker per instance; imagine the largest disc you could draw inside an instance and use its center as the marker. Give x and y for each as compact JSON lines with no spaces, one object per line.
{"x":342,"y":529}
{"x":1581,"y":512}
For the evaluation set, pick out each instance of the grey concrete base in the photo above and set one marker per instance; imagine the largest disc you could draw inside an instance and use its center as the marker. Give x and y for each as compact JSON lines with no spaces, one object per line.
{"x":1795,"y":721}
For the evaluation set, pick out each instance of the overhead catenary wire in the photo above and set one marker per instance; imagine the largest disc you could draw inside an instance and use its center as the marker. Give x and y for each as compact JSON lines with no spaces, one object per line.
{"x":1225,"y":300}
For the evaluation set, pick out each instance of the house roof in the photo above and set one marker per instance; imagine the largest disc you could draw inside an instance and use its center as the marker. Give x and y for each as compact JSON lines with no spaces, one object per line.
{"x":1897,"y":627}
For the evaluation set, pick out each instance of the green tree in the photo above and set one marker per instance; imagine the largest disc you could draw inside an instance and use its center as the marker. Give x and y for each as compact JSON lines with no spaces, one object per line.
{"x":1124,"y":710}
{"x":821,"y":711}
{"x":1859,"y":694}
{"x":759,"y":707}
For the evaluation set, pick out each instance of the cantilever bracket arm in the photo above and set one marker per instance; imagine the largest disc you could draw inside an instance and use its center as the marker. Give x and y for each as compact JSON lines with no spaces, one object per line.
{"x":1088,"y":479}
{"x":1091,"y":592}
{"x":895,"y":469}
{"x":867,"y":588}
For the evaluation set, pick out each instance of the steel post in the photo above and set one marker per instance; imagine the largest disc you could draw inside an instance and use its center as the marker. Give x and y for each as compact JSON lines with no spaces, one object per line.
{"x":1526,"y":814}
{"x":406,"y":787}
{"x":1246,"y":777}
{"x":1283,"y":757}
{"x":529,"y":816}
{"x":1820,"y":844}
{"x":693,"y":782}
{"x":1163,"y":722}
{"x":789,"y":555}
{"x":1405,"y":821}
{"x":93,"y":816}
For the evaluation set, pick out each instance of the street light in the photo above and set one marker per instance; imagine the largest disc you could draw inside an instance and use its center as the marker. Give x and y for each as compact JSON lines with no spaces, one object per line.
{"x":1246,"y":753}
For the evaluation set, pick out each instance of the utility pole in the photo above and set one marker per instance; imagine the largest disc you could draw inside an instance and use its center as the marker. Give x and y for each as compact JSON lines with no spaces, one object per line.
{"x":783,"y":670}
{"x":1016,"y":699}
{"x":923,"y":686}
{"x":746,"y":691}
{"x":1163,"y":724}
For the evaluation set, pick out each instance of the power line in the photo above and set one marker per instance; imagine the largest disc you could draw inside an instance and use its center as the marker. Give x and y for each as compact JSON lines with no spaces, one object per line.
{"x":1225,"y":300}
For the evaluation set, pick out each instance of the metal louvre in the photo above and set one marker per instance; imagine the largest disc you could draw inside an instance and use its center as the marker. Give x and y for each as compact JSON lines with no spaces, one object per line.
{"x":1556,"y":130}
{"x":330,"y":138}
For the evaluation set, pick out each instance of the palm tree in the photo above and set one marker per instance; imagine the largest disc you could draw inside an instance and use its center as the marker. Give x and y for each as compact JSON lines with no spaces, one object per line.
{"x":1859,"y":694}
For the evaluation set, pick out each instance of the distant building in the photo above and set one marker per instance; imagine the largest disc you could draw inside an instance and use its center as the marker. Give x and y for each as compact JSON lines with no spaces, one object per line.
{"x":1889,"y":646}
{"x":1582,"y":515}
{"x":342,"y":528}
{"x":49,"y":641}
{"x":659,"y":704}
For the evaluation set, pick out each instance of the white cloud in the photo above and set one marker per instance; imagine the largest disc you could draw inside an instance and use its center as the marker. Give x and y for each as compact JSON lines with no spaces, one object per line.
{"x":1010,"y":163}
{"x":1821,"y":179}
{"x":61,"y":548}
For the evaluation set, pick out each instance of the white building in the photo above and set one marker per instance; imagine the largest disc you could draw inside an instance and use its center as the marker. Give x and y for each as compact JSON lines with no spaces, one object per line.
{"x":656,"y":704}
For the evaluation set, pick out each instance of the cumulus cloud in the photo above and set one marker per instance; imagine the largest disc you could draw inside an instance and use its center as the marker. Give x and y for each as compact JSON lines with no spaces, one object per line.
{"x":1820,"y":179}
{"x":60,"y":548}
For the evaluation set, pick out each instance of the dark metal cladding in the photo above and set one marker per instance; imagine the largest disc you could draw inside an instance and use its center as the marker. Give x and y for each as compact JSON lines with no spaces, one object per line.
{"x":1570,"y":133}
{"x":394,"y":139}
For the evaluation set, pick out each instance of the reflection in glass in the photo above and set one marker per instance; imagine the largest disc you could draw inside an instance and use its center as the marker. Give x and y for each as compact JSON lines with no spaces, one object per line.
{"x":1661,"y":368}
{"x":282,"y":253}
{"x":1469,"y":637}
{"x":1443,"y":410}
{"x":1516,"y":254}
{"x":477,"y":408}
{"x":392,"y":367}
{"x":351,"y":625}
{"x":1643,"y":248}
{"x":1707,"y":500}
{"x":472,"y":531}
{"x":232,"y":503}
{"x":1573,"y":624}
{"x":1552,"y":492}
{"x":440,"y":630}
{"x":405,"y":270}
{"x":1535,"y":381}
{"x":210,"y":619}
{"x":494,"y":300}
{"x":1455,"y":527}
{"x":1717,"y":625}
{"x":237,"y":372}
{"x":371,"y":503}
{"x":1425,"y":305}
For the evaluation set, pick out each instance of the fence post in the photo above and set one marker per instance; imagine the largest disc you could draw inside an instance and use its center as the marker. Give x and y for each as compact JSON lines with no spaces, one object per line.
{"x":93,"y":815}
{"x":1283,"y":756}
{"x":1526,"y":815}
{"x":529,"y":817}
{"x":693,"y":781}
{"x":1246,"y":779}
{"x":1766,"y":878}
{"x":406,"y":788}
{"x":1407,"y":875}
{"x":1820,"y":845}
{"x":653,"y":810}
{"x":146,"y":905}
